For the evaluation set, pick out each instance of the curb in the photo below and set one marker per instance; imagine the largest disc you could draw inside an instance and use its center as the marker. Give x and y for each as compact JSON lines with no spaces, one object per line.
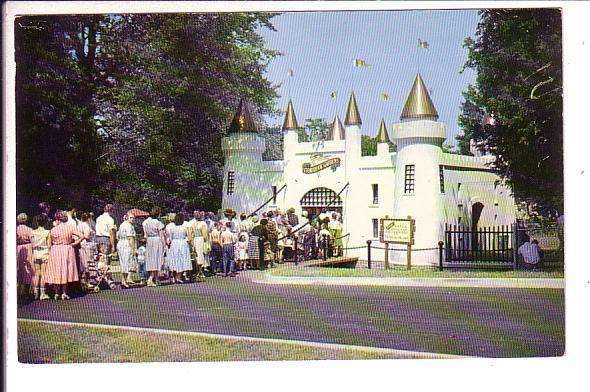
{"x":380,"y":350}
{"x":528,"y":283}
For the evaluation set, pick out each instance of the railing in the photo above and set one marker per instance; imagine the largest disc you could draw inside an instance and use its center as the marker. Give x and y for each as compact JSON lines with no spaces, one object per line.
{"x":488,"y":245}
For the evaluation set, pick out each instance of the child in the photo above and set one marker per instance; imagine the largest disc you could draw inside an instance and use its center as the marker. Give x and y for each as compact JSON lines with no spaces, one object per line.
{"x":242,"y":248}
{"x":141,"y":263}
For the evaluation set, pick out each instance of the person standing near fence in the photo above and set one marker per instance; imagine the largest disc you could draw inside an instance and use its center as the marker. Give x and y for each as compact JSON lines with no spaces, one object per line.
{"x":335,"y":227}
{"x":528,"y":254}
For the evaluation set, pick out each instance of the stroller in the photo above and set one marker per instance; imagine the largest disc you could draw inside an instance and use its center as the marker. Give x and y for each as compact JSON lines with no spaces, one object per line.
{"x":97,"y":273}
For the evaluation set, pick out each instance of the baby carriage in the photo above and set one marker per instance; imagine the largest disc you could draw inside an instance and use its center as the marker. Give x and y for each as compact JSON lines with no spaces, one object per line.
{"x":97,"y":273}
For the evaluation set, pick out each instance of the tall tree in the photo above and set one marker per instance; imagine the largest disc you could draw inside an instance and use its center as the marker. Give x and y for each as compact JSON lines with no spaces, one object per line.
{"x":514,"y":110}
{"x":176,"y":81}
{"x":56,"y":81}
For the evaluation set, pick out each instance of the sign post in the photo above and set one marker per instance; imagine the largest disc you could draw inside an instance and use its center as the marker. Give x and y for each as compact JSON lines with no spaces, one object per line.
{"x":398,"y":231}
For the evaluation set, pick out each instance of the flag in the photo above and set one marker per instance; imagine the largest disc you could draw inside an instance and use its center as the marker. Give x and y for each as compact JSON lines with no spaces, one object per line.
{"x":359,"y":63}
{"x":385,"y":97}
{"x":333,"y":94}
{"x":422,"y":44}
{"x":290,"y":73}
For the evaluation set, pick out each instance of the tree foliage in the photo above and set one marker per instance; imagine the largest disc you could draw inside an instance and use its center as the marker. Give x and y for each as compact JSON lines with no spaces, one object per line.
{"x":140,"y":103}
{"x":514,"y":110}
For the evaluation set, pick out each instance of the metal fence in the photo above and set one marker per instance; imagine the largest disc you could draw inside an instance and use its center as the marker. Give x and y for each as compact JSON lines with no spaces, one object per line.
{"x":487,"y":245}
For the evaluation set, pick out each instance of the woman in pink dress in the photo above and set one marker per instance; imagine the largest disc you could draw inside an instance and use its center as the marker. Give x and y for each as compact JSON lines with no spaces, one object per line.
{"x":61,"y":266}
{"x":24,"y":255}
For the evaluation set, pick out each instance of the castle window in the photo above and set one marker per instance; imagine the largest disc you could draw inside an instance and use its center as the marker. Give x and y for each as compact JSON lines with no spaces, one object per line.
{"x":375,"y":228}
{"x":375,"y":193}
{"x":409,"y":179}
{"x":230,"y":182}
{"x":274,"y":194}
{"x":441,"y":174}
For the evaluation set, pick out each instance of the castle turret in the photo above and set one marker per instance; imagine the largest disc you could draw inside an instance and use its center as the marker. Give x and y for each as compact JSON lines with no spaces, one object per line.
{"x":419,"y":138}
{"x":353,"y":124}
{"x":242,"y":148}
{"x":337,"y":131}
{"x":290,"y":128}
{"x":382,"y":140}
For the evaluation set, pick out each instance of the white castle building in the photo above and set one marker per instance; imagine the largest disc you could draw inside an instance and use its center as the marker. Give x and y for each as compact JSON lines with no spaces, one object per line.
{"x":419,"y":180}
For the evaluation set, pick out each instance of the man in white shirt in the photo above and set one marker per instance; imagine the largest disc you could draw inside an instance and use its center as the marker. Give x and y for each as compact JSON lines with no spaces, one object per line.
{"x":105,"y":231}
{"x":529,"y":254}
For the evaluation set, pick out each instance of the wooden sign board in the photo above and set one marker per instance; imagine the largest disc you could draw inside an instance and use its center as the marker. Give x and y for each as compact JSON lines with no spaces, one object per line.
{"x":397,"y":231}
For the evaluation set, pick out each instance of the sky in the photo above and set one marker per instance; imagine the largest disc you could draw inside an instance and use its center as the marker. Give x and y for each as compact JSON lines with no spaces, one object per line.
{"x":320,"y":47}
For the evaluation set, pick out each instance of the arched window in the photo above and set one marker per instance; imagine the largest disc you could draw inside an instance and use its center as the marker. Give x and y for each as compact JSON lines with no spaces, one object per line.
{"x":321,"y":197}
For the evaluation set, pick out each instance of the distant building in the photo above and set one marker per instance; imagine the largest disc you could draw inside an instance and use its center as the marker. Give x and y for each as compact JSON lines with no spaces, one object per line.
{"x":419,"y":180}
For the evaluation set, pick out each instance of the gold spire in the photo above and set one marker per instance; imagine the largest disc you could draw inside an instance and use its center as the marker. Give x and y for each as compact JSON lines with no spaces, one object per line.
{"x":290,"y":120}
{"x":353,"y":116}
{"x":419,"y":105}
{"x":337,"y":131}
{"x":242,"y":121}
{"x":382,"y":136}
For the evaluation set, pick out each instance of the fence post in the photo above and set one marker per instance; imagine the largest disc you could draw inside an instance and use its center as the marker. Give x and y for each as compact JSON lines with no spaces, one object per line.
{"x":260,"y":252}
{"x":369,"y":253}
{"x":514,"y":246}
{"x":325,"y":245}
{"x":440,"y":255}
{"x":295,"y":250}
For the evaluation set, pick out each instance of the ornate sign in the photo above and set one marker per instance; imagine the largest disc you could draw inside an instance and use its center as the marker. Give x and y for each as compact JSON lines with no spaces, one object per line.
{"x":308,"y":168}
{"x":397,"y":231}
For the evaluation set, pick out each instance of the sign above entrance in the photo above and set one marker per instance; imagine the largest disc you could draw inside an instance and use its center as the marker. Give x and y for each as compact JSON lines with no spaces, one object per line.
{"x":397,"y":231}
{"x":324,"y":164}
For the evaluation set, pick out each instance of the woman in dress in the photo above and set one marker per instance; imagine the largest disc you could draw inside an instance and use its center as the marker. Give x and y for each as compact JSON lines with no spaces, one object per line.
{"x":61,"y":265}
{"x":40,"y":242}
{"x":155,"y":246}
{"x":201,"y":240}
{"x":127,"y":249}
{"x":179,"y":252}
{"x":87,"y":245}
{"x":24,"y":255}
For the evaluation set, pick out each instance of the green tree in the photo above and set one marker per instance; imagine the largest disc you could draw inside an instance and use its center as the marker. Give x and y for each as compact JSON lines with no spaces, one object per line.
{"x":132,"y":108}
{"x":514,"y":110}
{"x":368,"y":145}
{"x":56,"y":81}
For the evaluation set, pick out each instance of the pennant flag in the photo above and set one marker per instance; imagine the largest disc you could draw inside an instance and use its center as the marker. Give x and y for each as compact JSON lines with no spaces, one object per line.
{"x":385,"y":97}
{"x":422,"y":44}
{"x":333,"y":94}
{"x":291,"y":72}
{"x":359,"y":63}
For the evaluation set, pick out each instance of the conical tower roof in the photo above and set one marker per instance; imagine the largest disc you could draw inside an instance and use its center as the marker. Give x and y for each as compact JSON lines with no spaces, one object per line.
{"x":290,"y":119}
{"x":382,"y":136}
{"x":419,"y":105}
{"x":242,"y":121}
{"x":337,"y":132}
{"x":353,"y":117}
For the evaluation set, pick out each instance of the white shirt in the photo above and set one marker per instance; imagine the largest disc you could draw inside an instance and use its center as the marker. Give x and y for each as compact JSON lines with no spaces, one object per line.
{"x":104,"y":224}
{"x":530,"y":253}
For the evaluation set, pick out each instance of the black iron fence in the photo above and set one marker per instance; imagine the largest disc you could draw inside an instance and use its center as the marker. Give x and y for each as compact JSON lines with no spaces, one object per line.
{"x":489,"y":245}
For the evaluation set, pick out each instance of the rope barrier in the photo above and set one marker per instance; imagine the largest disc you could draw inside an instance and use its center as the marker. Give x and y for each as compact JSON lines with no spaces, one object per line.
{"x":268,"y":201}
{"x":403,"y":250}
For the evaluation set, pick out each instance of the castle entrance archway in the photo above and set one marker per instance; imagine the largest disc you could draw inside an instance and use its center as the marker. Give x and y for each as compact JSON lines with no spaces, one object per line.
{"x":321,"y":199}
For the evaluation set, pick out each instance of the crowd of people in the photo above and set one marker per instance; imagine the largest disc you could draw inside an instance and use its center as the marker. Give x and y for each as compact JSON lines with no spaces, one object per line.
{"x":54,"y":252}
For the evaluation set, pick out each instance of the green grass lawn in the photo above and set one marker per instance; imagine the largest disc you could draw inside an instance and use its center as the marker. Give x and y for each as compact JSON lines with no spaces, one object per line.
{"x":399,"y":271}
{"x":50,"y":343}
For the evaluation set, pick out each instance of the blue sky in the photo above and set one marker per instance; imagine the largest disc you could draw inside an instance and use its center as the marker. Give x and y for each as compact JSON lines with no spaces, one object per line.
{"x":319,"y":47}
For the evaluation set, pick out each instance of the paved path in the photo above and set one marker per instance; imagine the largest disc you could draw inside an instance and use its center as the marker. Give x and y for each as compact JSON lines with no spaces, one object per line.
{"x":492,"y":322}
